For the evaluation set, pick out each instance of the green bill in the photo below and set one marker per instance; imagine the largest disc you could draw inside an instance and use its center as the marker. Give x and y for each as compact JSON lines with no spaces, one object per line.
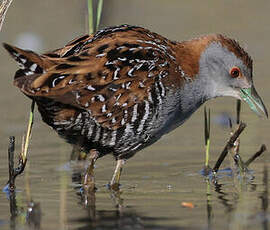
{"x":250,"y":96}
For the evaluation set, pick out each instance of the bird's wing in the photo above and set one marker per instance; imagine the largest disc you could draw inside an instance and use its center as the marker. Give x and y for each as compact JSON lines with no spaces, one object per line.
{"x":70,"y":49}
{"x":107,"y":75}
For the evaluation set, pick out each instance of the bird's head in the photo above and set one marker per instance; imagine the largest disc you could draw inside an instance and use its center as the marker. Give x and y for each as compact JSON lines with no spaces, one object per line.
{"x":226,"y":70}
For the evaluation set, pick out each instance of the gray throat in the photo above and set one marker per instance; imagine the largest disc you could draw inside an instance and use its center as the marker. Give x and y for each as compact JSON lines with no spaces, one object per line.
{"x":183,"y":103}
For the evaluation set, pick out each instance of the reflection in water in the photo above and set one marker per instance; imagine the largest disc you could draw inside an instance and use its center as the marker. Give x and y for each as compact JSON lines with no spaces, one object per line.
{"x":209,"y":204}
{"x":236,"y":207}
{"x":113,"y":219}
{"x":120,"y":218}
{"x":31,"y":215}
{"x":264,"y":198}
{"x":236,"y":202}
{"x":183,"y":149}
{"x":222,"y":196}
{"x":20,"y":215}
{"x":123,"y":216}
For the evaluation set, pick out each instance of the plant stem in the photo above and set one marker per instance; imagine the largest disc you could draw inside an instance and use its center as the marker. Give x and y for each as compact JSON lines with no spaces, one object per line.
{"x":90,"y":16}
{"x":94,"y":15}
{"x":256,"y":155}
{"x":29,"y":131}
{"x":11,"y":149}
{"x":12,"y":176}
{"x":207,"y":148}
{"x":238,"y":111}
{"x":228,"y":146}
{"x":3,"y":11}
{"x":99,"y":11}
{"x":241,"y":165}
{"x":207,"y":136}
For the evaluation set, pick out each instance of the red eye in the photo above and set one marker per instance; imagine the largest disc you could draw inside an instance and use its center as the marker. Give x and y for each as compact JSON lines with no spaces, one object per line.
{"x":235,"y":72}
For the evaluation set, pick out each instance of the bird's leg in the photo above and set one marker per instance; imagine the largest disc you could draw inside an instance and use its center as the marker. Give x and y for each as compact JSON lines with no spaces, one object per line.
{"x":89,"y":179}
{"x":114,"y":184}
{"x":118,"y":201}
{"x":75,"y":153}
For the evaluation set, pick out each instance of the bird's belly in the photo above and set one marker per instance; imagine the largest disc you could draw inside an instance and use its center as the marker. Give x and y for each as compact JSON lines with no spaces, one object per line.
{"x":175,"y":119}
{"x":81,"y":129}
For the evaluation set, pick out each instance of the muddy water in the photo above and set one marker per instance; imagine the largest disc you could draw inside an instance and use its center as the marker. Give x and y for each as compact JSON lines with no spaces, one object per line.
{"x":158,"y":179}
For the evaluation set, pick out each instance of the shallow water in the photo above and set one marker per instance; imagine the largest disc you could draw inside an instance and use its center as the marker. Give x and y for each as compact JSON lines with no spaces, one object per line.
{"x":158,"y":179}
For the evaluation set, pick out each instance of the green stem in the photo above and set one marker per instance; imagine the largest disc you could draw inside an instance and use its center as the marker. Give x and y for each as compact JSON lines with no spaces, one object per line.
{"x":99,"y":11}
{"x":207,"y":136}
{"x":207,"y":148}
{"x":90,"y":17}
{"x":29,"y":130}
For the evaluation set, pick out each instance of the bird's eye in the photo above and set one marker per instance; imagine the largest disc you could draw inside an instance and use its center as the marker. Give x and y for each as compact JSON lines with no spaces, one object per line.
{"x":235,"y":72}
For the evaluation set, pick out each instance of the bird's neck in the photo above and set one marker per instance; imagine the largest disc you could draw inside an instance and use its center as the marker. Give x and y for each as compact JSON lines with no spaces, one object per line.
{"x":198,"y":87}
{"x":193,"y":92}
{"x":182,"y":104}
{"x":188,"y":54}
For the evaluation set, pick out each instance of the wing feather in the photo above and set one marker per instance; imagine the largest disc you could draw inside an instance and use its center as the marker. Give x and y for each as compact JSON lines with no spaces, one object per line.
{"x":104,"y":75}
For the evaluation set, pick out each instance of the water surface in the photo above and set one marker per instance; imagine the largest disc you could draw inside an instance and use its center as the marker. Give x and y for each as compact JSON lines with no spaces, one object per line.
{"x":158,"y":179}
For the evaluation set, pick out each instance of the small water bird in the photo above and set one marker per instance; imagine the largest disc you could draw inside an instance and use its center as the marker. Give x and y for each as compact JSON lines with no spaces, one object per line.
{"x":121,"y":89}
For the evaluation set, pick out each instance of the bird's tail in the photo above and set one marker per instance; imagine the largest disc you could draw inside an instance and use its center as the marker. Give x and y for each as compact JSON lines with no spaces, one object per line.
{"x":29,"y":62}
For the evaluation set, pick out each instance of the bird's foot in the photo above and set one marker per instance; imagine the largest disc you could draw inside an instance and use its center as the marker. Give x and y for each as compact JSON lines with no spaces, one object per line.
{"x":89,"y":178}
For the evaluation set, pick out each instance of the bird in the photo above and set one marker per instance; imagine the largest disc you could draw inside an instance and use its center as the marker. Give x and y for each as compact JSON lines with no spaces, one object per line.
{"x":121,"y":89}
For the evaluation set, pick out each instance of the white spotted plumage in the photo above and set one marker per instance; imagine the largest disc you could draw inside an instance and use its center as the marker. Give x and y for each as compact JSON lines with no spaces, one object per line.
{"x":134,"y":113}
{"x":33,"y":67}
{"x":115,"y":75}
{"x":103,"y":109}
{"x":145,"y":116}
{"x":90,"y":87}
{"x":100,"y":97}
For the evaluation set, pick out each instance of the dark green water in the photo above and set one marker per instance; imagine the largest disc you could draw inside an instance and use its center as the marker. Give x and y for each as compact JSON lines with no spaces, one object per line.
{"x":158,"y":179}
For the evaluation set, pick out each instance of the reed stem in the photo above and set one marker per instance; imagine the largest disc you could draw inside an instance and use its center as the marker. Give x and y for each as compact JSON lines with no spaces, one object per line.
{"x":28,"y":133}
{"x":228,"y":146}
{"x":94,"y":15}
{"x":256,"y":155}
{"x":3,"y":11}
{"x":207,"y":136}
{"x":90,"y":16}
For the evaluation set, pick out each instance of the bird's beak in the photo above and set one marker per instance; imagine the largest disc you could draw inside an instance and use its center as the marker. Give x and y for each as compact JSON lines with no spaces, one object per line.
{"x":250,"y":96}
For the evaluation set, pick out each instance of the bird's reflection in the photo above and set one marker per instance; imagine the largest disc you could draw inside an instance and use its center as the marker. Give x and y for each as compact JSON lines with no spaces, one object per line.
{"x":118,"y":218}
{"x":121,"y":217}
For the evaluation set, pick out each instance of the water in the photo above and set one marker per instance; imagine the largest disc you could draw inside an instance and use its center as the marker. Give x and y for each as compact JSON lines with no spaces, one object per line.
{"x":158,"y":179}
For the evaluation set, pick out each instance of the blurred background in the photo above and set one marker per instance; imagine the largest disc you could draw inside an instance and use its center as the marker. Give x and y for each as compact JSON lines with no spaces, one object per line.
{"x":159,"y":178}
